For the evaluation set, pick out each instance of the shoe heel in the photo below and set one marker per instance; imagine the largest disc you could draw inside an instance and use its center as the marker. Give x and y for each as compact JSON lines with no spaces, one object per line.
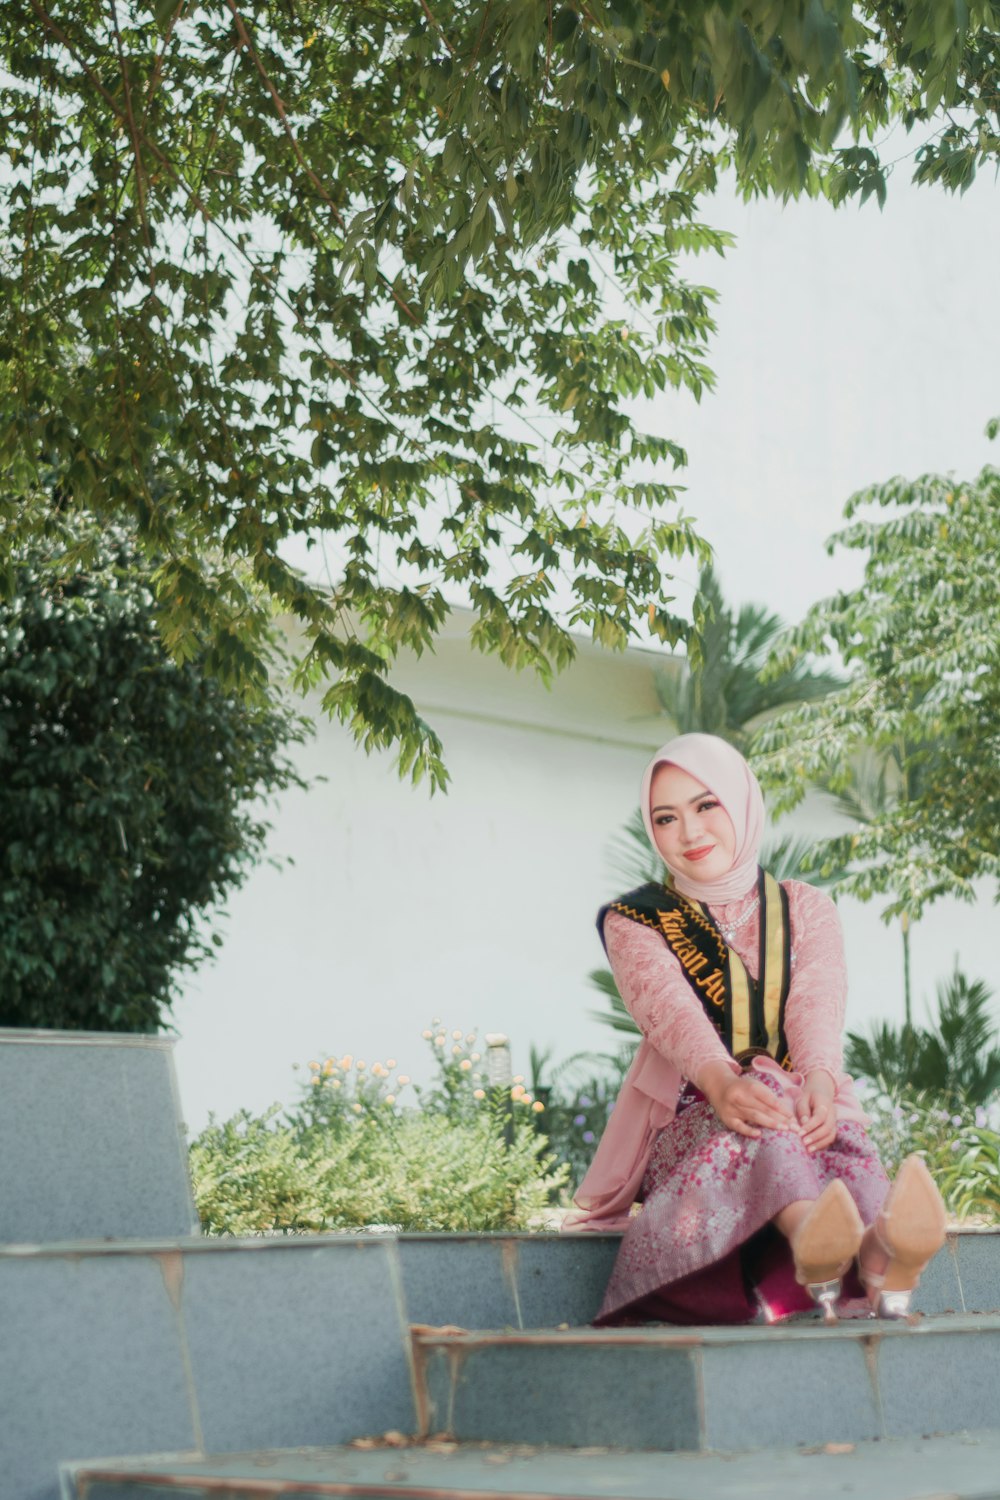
{"x":893,"y":1304}
{"x":826,"y":1295}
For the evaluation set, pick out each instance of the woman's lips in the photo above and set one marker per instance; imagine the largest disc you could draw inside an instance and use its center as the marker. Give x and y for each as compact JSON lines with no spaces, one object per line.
{"x":698,"y":853}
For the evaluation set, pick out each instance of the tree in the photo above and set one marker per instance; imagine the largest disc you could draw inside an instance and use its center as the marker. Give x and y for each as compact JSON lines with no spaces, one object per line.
{"x":921,"y":639}
{"x":212,"y":276}
{"x":129,"y":795}
{"x":876,"y":784}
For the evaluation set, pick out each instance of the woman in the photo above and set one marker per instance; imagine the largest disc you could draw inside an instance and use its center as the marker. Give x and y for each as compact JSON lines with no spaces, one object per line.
{"x":736,"y":1126}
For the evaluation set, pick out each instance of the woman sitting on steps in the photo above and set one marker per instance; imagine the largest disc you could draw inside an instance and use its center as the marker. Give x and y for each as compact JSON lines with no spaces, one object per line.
{"x":736,"y":1126}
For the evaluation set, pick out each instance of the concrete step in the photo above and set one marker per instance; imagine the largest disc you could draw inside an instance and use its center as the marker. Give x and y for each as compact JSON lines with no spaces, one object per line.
{"x":963,"y":1467}
{"x":711,"y":1389}
{"x":93,"y":1144}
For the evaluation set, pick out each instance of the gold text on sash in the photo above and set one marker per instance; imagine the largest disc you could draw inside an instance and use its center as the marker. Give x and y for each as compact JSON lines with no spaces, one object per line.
{"x":690,"y":958}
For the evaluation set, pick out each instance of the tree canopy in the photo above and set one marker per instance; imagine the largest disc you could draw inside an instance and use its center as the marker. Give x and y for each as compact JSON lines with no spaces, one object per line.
{"x":389,"y":276}
{"x":921,"y":637}
{"x":129,"y":795}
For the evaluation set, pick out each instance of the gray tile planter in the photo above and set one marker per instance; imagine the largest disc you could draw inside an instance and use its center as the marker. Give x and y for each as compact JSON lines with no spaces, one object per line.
{"x":93,"y":1145}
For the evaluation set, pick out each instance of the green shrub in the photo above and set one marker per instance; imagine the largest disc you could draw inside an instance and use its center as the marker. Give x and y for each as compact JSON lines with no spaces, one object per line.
{"x":959,"y":1144}
{"x":131,"y":789}
{"x":350,"y":1156}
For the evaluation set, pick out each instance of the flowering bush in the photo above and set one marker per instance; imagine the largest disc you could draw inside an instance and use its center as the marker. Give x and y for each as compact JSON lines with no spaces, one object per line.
{"x":355,"y":1152}
{"x":960,"y":1144}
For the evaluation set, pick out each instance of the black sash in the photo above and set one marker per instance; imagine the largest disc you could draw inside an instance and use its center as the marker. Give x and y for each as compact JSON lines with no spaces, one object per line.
{"x":748,"y":1014}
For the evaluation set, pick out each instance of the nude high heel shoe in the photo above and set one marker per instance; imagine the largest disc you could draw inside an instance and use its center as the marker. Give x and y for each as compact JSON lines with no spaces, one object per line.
{"x":910,"y":1228}
{"x":825,"y":1244}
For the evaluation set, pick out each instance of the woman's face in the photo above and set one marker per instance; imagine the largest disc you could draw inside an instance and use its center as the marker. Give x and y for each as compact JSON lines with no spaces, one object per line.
{"x":692,"y":829}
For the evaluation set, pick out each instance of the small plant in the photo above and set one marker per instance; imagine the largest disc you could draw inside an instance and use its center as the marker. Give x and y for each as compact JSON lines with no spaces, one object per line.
{"x":957,"y":1056}
{"x":356,"y":1153}
{"x":961,"y":1146}
{"x":578,"y":1101}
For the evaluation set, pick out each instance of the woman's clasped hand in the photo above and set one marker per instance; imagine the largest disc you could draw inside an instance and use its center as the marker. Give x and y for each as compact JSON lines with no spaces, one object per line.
{"x":744,"y":1104}
{"x":816,"y":1112}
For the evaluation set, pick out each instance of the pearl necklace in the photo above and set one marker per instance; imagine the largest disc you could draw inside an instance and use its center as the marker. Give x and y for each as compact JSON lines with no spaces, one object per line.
{"x":730,"y":929}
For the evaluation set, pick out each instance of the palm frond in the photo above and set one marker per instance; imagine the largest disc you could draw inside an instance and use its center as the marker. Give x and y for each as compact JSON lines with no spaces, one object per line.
{"x":616,"y":1016}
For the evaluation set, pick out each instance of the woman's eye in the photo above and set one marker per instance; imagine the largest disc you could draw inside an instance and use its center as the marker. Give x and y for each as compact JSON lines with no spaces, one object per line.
{"x":663,"y":820}
{"x":707,"y":806}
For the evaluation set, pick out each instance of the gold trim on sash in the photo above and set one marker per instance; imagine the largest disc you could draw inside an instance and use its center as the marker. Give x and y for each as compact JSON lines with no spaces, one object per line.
{"x":773,"y":977}
{"x":741,"y":1003}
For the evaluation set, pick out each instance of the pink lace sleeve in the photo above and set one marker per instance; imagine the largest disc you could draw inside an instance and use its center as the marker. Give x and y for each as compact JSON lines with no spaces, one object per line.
{"x":659,"y":998}
{"x":817,"y":996}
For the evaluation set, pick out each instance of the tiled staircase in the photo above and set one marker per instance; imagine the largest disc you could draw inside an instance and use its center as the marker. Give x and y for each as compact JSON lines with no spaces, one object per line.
{"x":424,"y":1366}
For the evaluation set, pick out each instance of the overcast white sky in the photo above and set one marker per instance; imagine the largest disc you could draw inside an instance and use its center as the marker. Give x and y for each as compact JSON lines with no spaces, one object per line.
{"x":852,"y":345}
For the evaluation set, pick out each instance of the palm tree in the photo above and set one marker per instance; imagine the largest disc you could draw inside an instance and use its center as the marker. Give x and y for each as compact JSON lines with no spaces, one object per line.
{"x":719,"y":690}
{"x":957,"y":1057}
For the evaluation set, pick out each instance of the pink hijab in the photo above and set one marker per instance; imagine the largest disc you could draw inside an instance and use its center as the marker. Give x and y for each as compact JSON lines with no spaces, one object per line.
{"x":726,"y":774}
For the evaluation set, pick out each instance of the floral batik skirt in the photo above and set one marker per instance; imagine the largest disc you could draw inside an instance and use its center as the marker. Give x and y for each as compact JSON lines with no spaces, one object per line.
{"x":703,"y":1249}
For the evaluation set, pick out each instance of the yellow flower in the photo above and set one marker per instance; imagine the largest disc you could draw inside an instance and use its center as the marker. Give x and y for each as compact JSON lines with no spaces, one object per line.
{"x":316,"y":1081}
{"x":390,"y":1062}
{"x":402,"y":1080}
{"x":456,"y":1051}
{"x":465,"y":1065}
{"x":538,"y":1106}
{"x":314,"y":1067}
{"x":346,"y":1060}
{"x":390,"y":1098}
{"x":479,"y":1093}
{"x":456,"y":1036}
{"x":427,"y":1035}
{"x":517,"y":1092}
{"x":356,"y":1108}
{"x":335,"y":1083}
{"x":328,"y":1068}
{"x":439,"y":1041}
{"x":476,"y":1057}
{"x":360,"y":1065}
